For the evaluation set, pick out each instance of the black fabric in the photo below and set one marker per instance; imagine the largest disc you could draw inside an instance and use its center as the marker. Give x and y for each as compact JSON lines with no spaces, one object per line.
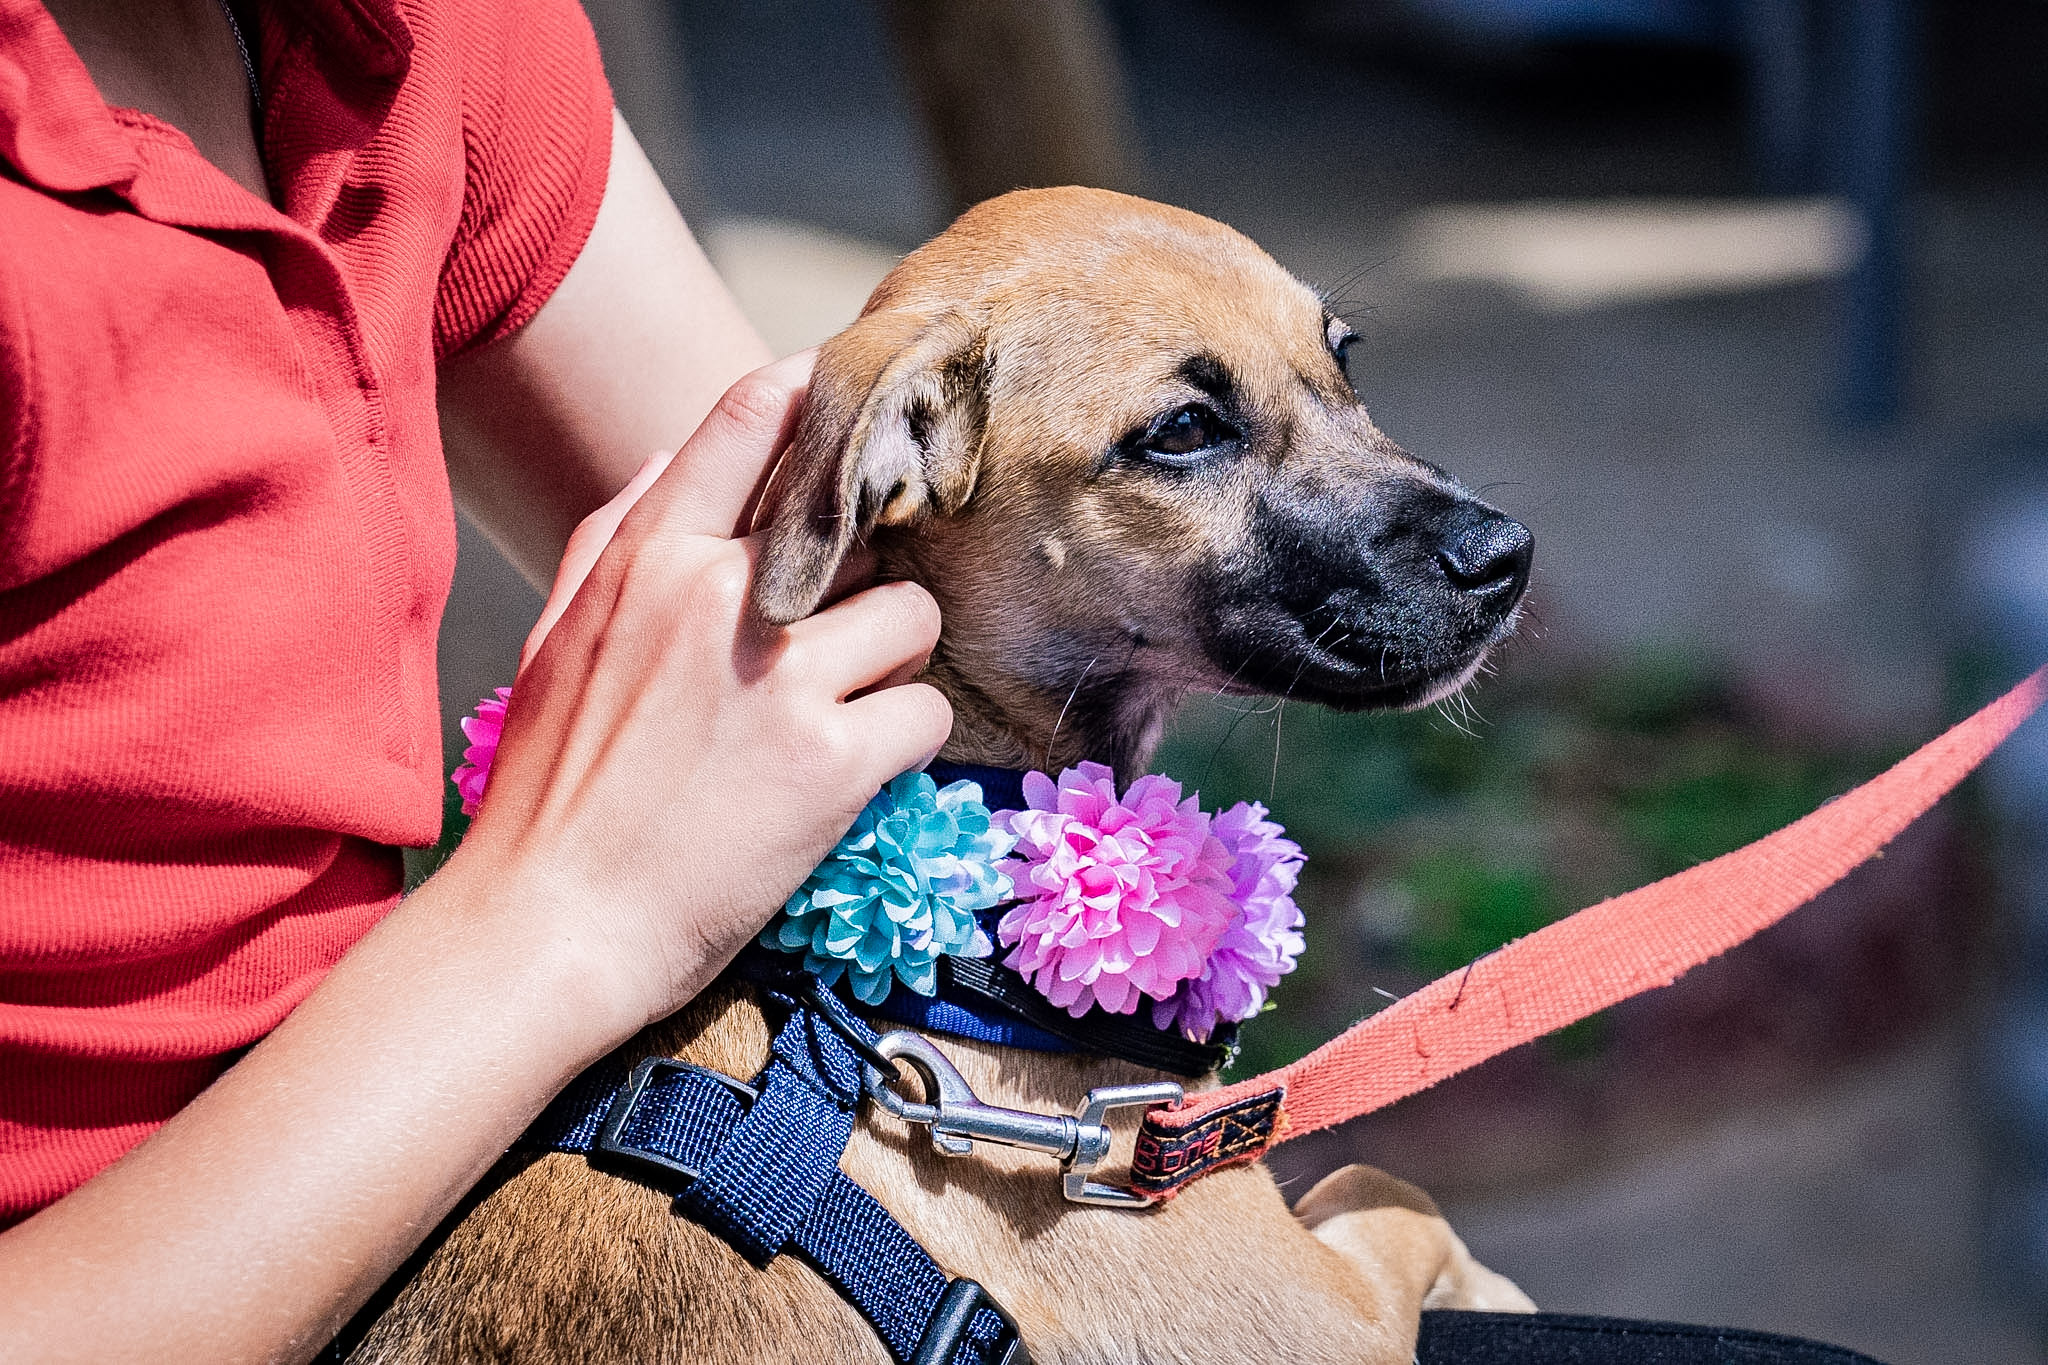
{"x":1458,"y":1338}
{"x":1001,"y":788}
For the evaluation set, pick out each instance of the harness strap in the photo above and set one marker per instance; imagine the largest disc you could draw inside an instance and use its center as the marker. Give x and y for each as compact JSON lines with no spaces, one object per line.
{"x":771,"y":1170}
{"x":758,"y":1165}
{"x":1568,"y":970}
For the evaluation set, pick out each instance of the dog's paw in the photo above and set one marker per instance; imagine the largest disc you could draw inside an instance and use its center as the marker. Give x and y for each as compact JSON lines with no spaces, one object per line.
{"x":1464,"y":1283}
{"x":1393,"y":1233}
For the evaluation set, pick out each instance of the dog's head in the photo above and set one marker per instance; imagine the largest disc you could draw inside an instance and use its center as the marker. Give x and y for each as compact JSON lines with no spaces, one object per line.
{"x":1118,"y":443}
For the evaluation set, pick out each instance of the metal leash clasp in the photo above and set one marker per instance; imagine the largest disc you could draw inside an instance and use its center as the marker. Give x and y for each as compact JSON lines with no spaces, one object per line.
{"x":958,"y":1119}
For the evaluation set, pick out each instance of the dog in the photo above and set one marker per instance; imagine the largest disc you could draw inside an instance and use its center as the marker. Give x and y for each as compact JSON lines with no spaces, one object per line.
{"x":1117,"y":442}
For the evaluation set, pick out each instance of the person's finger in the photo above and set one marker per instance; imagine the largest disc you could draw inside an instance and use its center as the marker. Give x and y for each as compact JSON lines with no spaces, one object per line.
{"x":905,"y":728}
{"x":720,"y":471}
{"x":904,"y":672}
{"x":774,"y":476}
{"x":869,"y":637}
{"x":586,"y":543}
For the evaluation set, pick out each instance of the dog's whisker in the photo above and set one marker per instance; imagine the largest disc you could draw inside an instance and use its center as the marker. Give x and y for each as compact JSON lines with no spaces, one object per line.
{"x":1231,"y":729}
{"x":1451,"y":718}
{"x":1334,"y":297}
{"x":1287,"y":693}
{"x":1273,"y":783}
{"x":1217,"y":752}
{"x":1471,"y":707}
{"x":1236,"y":672}
{"x":1061,"y":718}
{"x":1462,"y":715}
{"x":1123,"y":672}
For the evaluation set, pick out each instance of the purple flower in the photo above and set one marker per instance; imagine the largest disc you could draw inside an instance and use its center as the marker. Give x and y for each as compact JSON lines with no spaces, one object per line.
{"x":1262,"y":945}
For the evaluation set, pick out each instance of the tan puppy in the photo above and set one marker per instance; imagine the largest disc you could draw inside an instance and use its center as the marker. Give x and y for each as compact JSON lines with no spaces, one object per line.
{"x":1117,"y":442}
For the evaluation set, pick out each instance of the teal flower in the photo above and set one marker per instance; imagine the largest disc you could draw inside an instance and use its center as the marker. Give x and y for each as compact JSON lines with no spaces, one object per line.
{"x":900,"y":890}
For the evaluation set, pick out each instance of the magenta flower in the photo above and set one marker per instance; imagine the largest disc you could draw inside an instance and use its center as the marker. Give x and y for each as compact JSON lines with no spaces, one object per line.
{"x":1261,"y":946}
{"x":482,"y":730}
{"x":1120,"y":898}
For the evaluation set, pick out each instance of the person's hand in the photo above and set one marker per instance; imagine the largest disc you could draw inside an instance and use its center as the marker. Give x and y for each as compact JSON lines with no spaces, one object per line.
{"x":671,"y":767}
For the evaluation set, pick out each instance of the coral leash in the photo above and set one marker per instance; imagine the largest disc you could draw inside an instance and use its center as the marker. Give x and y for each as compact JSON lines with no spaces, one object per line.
{"x":1568,"y":970}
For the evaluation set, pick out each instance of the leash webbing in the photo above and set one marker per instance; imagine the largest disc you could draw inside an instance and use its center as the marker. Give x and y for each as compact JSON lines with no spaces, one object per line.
{"x":1568,"y":970}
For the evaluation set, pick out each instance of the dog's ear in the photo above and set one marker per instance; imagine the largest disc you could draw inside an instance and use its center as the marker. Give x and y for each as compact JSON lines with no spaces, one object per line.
{"x":890,"y":432}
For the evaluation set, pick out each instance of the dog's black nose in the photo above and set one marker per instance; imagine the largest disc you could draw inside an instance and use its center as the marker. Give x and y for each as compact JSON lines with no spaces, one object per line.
{"x":1488,"y":555}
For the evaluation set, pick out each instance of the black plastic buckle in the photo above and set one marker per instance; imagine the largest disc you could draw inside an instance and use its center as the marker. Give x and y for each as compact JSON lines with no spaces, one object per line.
{"x":947,"y":1331}
{"x":615,"y":1156}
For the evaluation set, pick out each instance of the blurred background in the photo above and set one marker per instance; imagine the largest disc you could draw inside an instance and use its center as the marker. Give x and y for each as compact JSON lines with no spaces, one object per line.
{"x":1742,"y":305}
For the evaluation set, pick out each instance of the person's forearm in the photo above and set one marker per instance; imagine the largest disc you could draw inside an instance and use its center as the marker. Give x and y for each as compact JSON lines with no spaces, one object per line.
{"x":631,"y":351}
{"x":253,"y":1223}
{"x":656,"y":727}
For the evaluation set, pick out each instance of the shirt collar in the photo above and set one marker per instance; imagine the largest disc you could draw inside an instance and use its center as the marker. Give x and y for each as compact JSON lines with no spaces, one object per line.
{"x":59,"y":135}
{"x":54,"y":128}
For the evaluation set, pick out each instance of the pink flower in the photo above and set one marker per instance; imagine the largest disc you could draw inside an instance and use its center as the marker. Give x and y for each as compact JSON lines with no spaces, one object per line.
{"x":1120,"y":898}
{"x":1261,"y":947}
{"x":482,"y":730}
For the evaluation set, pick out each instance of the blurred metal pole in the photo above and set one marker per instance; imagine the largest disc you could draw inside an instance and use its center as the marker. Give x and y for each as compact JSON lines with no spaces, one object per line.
{"x":1873,"y":150}
{"x":1778,"y":79}
{"x":1017,"y":93}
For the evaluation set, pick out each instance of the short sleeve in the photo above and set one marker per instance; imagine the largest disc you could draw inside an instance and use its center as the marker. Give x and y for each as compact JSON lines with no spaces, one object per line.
{"x":537,"y":138}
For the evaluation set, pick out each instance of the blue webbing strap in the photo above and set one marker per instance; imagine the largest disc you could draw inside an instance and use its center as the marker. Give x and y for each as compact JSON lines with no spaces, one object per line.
{"x":936,"y":1014}
{"x":772,"y":1169}
{"x":759,"y":1165}
{"x":882,"y":1270}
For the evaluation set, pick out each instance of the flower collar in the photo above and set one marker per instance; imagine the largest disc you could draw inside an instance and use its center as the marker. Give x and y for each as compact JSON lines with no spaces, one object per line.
{"x":1127,"y":912}
{"x":1133,"y":902}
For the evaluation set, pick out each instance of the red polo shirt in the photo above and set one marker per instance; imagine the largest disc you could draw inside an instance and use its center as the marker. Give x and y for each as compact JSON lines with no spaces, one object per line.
{"x":225,"y":527}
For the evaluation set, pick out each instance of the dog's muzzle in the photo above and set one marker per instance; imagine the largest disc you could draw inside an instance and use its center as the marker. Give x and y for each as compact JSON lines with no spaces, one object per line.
{"x":1389,"y":605}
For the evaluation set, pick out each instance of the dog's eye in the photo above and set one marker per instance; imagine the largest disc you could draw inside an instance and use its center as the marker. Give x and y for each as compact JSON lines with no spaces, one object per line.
{"x":1185,"y":433}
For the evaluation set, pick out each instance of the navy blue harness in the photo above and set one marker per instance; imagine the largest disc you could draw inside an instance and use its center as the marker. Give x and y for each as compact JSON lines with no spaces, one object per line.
{"x":758,"y":1164}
